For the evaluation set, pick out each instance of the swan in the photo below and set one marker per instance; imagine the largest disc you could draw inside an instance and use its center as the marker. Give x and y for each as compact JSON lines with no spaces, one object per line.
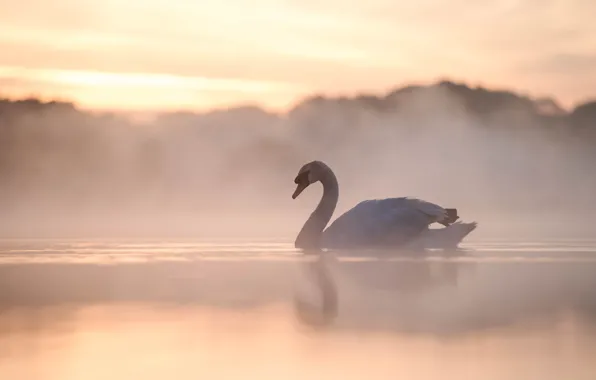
{"x":448,"y":237}
{"x":376,"y":223}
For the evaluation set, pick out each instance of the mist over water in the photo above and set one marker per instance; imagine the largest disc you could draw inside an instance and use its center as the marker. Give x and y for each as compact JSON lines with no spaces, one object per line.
{"x":161,"y":247}
{"x":500,"y":158}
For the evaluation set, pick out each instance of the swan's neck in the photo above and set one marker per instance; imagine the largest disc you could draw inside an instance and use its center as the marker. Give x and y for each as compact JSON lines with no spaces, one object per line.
{"x":310,"y":235}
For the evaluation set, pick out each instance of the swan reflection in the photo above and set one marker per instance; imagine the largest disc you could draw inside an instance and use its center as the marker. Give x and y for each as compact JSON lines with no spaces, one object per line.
{"x":328,"y":274}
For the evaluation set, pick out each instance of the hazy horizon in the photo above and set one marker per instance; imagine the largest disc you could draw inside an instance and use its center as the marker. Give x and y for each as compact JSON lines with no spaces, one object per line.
{"x":493,"y":155}
{"x":143,"y":114}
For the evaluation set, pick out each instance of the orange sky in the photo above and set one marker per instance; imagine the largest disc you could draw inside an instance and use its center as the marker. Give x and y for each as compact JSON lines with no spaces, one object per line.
{"x":140,"y":54}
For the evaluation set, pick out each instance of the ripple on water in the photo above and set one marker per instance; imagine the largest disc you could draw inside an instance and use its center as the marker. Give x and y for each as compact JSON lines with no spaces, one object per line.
{"x":114,"y":252}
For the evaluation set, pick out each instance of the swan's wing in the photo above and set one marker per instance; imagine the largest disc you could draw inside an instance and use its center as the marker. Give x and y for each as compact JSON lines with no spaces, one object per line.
{"x":382,"y":222}
{"x":444,"y":238}
{"x":435,"y":212}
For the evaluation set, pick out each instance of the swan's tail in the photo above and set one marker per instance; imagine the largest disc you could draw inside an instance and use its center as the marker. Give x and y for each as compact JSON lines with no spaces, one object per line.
{"x":446,"y":238}
{"x":450,"y":218}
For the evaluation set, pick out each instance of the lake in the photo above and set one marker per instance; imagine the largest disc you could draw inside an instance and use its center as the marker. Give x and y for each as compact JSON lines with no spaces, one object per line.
{"x":224,"y":309}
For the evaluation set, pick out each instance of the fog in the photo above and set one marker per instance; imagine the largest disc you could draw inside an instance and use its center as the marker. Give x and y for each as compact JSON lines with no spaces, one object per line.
{"x":515,"y":165}
{"x":522,"y":168}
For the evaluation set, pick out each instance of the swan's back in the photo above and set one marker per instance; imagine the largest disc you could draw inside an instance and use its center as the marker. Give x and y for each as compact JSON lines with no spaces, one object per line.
{"x":381,"y":223}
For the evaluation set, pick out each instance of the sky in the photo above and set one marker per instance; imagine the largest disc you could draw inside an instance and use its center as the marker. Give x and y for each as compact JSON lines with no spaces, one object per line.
{"x":175,"y":54}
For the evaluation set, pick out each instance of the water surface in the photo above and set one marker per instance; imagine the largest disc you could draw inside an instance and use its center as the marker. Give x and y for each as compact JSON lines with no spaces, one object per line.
{"x":184,"y":309}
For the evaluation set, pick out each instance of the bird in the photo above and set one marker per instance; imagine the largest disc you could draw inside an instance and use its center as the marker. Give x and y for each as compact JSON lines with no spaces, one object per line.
{"x":388,"y":223}
{"x":446,"y":238}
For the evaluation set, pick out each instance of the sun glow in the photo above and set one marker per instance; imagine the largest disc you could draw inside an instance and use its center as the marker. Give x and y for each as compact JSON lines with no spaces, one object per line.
{"x":203,"y":54}
{"x":139,"y":90}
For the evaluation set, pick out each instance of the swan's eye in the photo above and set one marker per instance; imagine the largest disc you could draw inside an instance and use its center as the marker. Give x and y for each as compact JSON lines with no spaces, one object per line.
{"x":302,"y":178}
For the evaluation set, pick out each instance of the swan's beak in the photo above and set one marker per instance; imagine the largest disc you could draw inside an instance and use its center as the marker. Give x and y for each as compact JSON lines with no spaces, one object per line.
{"x":301,"y":186}
{"x":302,"y":180}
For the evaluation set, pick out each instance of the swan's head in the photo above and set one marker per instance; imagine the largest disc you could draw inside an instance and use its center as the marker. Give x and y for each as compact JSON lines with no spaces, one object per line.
{"x":309,"y":174}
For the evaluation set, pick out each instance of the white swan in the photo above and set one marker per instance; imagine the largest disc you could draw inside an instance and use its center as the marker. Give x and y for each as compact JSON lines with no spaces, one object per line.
{"x":380,"y":223}
{"x":443,"y":238}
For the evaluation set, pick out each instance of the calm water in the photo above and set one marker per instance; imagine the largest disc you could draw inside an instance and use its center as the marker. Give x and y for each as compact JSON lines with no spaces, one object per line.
{"x":223,"y":310}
